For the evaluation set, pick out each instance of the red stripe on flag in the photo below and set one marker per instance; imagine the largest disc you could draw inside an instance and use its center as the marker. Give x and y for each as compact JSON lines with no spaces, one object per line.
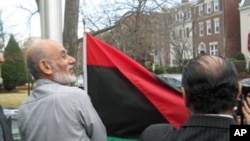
{"x":168,"y":102}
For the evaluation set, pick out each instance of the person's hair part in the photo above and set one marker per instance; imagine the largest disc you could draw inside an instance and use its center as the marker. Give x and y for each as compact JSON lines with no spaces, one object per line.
{"x":211,"y":84}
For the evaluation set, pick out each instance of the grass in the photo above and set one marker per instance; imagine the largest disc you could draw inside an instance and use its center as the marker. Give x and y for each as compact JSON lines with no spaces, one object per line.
{"x":12,"y":99}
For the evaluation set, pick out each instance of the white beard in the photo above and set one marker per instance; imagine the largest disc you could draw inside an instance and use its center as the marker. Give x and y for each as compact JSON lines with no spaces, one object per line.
{"x":62,"y":78}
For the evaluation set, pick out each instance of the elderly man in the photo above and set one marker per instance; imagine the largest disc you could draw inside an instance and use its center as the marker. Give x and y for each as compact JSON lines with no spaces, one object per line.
{"x":56,"y":111}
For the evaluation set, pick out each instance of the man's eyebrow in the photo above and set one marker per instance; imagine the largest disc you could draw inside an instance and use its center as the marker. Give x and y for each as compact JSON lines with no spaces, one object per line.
{"x":64,"y":52}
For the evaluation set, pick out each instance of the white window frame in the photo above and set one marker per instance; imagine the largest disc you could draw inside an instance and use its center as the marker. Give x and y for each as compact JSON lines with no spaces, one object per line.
{"x":209,"y":7}
{"x":201,"y":29}
{"x":209,"y":27}
{"x":216,"y":5}
{"x":216,"y":25}
{"x":201,"y":48}
{"x":200,"y":9}
{"x":213,"y":48}
{"x":180,"y":16}
{"x":187,"y":32}
{"x":181,"y":33}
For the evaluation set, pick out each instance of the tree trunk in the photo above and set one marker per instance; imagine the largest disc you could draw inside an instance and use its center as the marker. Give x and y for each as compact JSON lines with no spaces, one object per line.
{"x":71,"y":26}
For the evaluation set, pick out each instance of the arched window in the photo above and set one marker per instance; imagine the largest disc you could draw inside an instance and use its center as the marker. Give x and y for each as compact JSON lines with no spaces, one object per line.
{"x":201,"y":49}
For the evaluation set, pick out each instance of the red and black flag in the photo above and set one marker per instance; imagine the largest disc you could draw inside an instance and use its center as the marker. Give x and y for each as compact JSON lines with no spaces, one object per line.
{"x":126,"y":95}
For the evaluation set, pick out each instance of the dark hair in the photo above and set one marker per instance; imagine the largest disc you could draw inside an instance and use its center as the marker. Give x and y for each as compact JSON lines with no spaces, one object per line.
{"x":211,"y":84}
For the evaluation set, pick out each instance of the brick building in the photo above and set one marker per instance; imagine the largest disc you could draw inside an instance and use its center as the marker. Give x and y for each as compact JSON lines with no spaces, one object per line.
{"x":182,"y":32}
{"x":244,"y":9}
{"x":181,"y":44}
{"x":217,"y":27}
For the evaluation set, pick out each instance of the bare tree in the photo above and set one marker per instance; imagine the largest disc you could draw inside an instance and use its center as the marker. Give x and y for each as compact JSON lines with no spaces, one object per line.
{"x":132,"y":30}
{"x":2,"y":33}
{"x":70,"y":30}
{"x":181,"y":28}
{"x":127,"y":25}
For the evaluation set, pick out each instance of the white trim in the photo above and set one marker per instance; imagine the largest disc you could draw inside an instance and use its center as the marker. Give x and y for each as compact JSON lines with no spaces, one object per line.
{"x":209,"y":27}
{"x":85,"y":72}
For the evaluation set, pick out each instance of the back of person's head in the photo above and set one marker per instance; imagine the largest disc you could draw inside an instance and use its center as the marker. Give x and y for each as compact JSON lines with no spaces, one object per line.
{"x":38,"y":50}
{"x":211,"y":84}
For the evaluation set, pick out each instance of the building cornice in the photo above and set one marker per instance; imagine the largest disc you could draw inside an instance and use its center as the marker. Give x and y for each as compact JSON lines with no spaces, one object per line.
{"x":244,"y":8}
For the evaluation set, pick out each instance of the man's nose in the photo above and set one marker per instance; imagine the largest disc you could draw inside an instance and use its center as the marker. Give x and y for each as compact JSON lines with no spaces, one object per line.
{"x":72,"y":59}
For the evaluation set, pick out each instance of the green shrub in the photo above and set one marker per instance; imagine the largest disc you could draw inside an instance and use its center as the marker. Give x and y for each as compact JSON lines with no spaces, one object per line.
{"x":174,"y":69}
{"x":240,"y":65}
{"x":239,"y":56}
{"x":158,"y":69}
{"x":13,"y":69}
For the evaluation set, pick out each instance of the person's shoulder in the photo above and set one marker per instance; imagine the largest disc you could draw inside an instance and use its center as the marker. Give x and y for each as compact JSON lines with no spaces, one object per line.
{"x":160,"y":126}
{"x":76,"y":92}
{"x":159,"y":132}
{"x":72,"y":89}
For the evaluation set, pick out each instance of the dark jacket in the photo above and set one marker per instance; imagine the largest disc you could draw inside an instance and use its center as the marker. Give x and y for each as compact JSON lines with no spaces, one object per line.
{"x":197,"y":128}
{"x":6,"y":126}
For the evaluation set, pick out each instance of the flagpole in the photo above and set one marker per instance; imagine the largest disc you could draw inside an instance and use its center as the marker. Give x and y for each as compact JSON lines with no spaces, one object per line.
{"x":85,"y":72}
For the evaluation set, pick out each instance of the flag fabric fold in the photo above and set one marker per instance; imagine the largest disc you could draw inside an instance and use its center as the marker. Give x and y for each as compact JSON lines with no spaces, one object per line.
{"x":126,"y":95}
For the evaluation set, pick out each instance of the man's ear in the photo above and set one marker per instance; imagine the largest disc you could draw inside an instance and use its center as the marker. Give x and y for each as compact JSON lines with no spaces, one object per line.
{"x":45,"y":67}
{"x":239,"y":90}
{"x":183,"y":91}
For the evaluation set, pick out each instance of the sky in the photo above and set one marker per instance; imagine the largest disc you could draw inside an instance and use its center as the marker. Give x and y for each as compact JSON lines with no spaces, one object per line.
{"x":16,"y":14}
{"x":15,"y":18}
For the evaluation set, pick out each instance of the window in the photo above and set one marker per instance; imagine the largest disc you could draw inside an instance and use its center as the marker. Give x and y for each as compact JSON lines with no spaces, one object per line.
{"x":200,"y":10}
{"x":216,"y":5}
{"x":187,"y":32}
{"x":201,"y":29}
{"x":201,"y":49}
{"x":180,"y":17}
{"x":216,"y":25}
{"x":174,"y":62}
{"x":173,"y":34}
{"x":209,"y":8}
{"x":209,"y":30}
{"x":213,"y":49}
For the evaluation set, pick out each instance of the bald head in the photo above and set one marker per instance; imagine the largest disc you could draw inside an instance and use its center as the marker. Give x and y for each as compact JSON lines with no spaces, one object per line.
{"x":210,"y":84}
{"x":210,"y":65}
{"x":41,"y":48}
{"x":208,"y":68}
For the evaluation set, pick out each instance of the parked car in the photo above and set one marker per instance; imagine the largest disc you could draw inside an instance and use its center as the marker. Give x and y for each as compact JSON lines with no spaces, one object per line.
{"x":173,"y":79}
{"x":245,"y":87}
{"x":245,"y":82}
{"x":80,"y":81}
